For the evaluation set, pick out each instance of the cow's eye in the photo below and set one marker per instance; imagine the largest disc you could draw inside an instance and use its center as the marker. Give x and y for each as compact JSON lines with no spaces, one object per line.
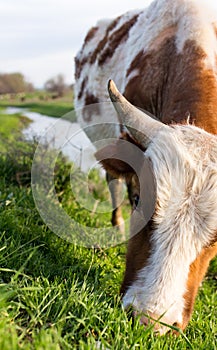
{"x":135,"y":201}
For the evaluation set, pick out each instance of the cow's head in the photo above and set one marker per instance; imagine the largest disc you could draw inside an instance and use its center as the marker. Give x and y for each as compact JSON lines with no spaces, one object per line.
{"x":167,"y":259}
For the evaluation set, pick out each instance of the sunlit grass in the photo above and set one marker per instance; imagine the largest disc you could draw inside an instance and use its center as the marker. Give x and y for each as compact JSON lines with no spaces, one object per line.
{"x":57,"y":295}
{"x":10,"y":127}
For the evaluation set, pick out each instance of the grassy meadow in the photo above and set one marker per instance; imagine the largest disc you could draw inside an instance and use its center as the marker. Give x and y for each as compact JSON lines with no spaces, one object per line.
{"x":41,"y":102}
{"x":57,"y":295}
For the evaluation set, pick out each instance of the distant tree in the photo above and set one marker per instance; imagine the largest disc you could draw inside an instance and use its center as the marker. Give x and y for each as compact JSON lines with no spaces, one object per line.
{"x":56,"y":85}
{"x":14,"y":83}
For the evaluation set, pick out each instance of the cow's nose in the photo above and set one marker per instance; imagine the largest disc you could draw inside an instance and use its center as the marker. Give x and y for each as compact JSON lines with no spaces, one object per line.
{"x":151,"y":319}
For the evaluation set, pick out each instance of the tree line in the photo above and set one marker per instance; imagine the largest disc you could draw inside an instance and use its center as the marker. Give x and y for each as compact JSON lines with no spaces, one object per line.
{"x":13,"y":83}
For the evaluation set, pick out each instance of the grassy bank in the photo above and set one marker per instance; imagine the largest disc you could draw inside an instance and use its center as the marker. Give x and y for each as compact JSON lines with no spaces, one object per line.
{"x":56,"y":295}
{"x":41,"y":103}
{"x":10,"y":127}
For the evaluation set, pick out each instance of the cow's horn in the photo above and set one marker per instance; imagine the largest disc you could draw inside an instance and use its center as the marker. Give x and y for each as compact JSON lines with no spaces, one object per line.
{"x":141,"y":126}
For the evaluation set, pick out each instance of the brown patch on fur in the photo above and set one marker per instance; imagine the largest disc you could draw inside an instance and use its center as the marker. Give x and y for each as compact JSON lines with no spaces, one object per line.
{"x":115,"y":40}
{"x":90,"y":35}
{"x":87,"y":113}
{"x":79,"y":64}
{"x":164,"y":35}
{"x":109,"y":158}
{"x":197,"y":271}
{"x":106,"y":47}
{"x":138,"y":251}
{"x":139,"y":246}
{"x":82,"y":88}
{"x":104,"y":41}
{"x":113,"y":24}
{"x":122,"y":159}
{"x":91,"y":99}
{"x":173,"y":86}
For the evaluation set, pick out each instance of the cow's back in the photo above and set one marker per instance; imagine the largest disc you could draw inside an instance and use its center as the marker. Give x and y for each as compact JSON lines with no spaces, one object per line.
{"x":101,"y":57}
{"x":163,"y":59}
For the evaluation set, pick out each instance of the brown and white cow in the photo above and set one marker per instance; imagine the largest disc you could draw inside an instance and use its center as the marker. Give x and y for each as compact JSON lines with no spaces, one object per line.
{"x":168,"y":257}
{"x":164,"y":61}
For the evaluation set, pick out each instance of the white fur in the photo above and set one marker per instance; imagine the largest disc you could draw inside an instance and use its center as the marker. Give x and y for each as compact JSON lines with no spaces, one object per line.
{"x":185,"y":166}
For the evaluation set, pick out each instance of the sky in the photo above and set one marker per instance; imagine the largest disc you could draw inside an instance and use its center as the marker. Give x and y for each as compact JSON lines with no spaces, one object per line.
{"x":40,"y":38}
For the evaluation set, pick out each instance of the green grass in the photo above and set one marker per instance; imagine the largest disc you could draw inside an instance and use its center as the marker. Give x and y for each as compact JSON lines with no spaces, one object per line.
{"x":56,"y":295}
{"x":10,"y":126}
{"x":43,"y":104}
{"x":47,"y":108}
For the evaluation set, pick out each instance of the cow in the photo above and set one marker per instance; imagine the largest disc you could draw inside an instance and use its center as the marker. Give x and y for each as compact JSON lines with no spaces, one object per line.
{"x":167,"y":259}
{"x":164,"y":61}
{"x":149,"y":53}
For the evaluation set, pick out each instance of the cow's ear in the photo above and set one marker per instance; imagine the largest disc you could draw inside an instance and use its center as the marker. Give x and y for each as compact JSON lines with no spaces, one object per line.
{"x":109,"y":157}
